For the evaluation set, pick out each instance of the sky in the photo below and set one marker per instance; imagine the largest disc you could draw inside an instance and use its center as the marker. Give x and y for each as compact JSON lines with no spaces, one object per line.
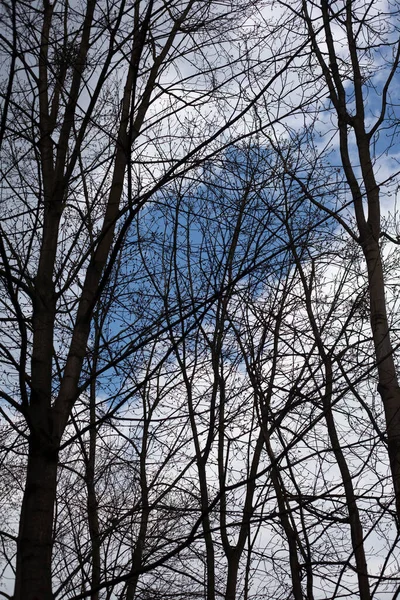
{"x":211,"y":207}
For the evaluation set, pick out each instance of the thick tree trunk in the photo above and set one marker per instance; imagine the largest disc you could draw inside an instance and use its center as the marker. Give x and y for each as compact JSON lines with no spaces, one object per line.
{"x":33,"y":574}
{"x":233,"y":569}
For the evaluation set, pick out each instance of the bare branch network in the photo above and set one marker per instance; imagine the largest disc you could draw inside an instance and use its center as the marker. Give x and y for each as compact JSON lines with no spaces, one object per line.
{"x":199,"y":300}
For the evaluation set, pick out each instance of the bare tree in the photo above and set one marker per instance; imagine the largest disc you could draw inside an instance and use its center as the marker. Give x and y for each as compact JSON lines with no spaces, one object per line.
{"x":196,"y":303}
{"x":349,"y":77}
{"x":104,"y":104}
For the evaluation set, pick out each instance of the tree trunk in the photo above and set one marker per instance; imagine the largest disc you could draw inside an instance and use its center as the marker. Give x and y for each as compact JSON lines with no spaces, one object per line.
{"x":388,"y":386}
{"x":33,"y":574}
{"x":233,"y":569}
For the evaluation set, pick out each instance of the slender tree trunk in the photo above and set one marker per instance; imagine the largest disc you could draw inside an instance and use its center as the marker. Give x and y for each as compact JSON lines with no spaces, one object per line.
{"x":290,"y":532}
{"x":137,"y":552}
{"x":264,"y":400}
{"x":365,"y":191}
{"x":356,"y":530}
{"x":92,"y":504}
{"x":388,"y":386}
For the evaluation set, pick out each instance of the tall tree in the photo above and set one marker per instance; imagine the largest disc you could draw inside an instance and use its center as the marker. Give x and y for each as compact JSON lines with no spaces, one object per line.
{"x":349,"y":41}
{"x":196,"y":300}
{"x":102,"y":105}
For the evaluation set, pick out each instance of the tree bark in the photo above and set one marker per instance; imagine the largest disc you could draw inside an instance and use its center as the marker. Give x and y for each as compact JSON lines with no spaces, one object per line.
{"x":388,"y":386}
{"x":35,"y":539}
{"x":232,"y":577}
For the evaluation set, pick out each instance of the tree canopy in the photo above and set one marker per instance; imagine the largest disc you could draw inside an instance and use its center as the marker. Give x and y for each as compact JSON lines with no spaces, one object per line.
{"x":199,"y":257}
